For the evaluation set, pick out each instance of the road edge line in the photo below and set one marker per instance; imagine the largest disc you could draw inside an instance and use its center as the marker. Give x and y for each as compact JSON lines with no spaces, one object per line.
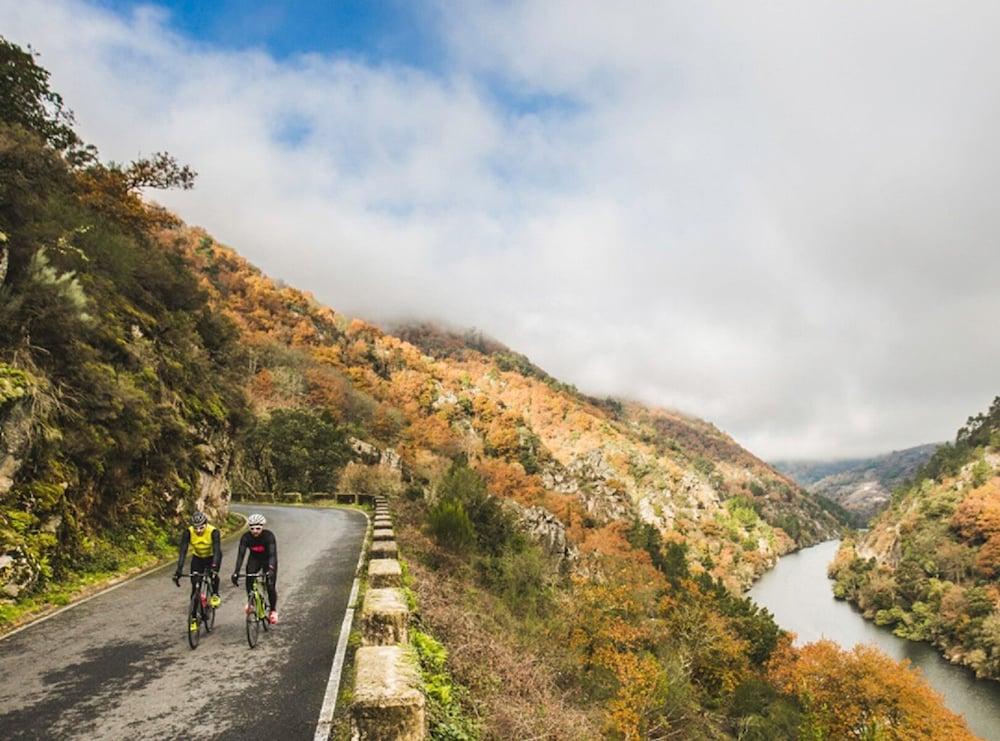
{"x":128,"y":580}
{"x":323,"y":725}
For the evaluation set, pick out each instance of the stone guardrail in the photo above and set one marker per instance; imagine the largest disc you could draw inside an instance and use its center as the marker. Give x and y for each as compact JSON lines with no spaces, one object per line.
{"x":388,"y":704}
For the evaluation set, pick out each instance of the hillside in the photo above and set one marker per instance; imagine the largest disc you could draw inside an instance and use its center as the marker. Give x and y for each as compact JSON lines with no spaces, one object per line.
{"x":580,"y":559}
{"x":862,"y":486}
{"x":592,"y":462}
{"x":929,"y":565}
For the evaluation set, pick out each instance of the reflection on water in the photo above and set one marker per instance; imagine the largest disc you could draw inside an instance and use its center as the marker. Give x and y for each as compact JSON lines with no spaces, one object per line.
{"x":800,"y":596}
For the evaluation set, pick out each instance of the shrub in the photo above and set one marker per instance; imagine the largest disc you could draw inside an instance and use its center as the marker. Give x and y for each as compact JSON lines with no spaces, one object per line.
{"x":521,"y":579}
{"x":298,"y":450}
{"x":494,"y":528}
{"x":358,"y":478}
{"x":450,"y":525}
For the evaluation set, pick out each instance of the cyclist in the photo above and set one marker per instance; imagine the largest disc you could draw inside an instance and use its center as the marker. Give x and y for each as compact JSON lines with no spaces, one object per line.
{"x":206,"y":553}
{"x":263,"y":557}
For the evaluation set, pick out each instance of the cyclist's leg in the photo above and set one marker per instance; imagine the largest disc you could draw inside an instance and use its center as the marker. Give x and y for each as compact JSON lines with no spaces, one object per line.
{"x":194,"y":579}
{"x":199,"y":564}
{"x":272,"y":589}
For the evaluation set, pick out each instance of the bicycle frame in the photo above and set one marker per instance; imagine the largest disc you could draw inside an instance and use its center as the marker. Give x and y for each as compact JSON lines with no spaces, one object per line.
{"x":199,"y":611}
{"x":256,"y":606}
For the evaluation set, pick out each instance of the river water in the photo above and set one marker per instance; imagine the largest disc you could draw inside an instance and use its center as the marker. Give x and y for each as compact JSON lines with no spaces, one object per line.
{"x":800,"y":596}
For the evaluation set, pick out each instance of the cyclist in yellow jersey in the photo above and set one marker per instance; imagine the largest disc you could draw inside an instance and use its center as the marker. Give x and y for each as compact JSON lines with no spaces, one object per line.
{"x":206,"y":553}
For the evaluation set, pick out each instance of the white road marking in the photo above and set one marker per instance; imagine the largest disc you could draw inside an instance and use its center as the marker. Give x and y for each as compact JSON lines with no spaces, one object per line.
{"x":333,"y":685}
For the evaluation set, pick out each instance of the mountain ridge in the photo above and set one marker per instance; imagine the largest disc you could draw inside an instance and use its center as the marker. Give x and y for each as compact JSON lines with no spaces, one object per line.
{"x":862,"y":486}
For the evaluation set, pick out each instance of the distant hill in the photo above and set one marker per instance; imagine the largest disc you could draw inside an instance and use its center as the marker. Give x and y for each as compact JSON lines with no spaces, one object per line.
{"x":862,"y":486}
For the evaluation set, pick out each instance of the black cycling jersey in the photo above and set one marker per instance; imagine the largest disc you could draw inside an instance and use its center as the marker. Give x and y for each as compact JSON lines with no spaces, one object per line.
{"x":263,"y":557}
{"x":263,"y":549}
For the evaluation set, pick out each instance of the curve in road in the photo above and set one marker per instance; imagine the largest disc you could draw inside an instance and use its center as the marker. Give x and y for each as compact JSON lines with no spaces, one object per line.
{"x":118,"y":665}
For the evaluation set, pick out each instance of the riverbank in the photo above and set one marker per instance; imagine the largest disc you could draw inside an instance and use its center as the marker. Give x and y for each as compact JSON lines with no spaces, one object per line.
{"x":800,"y":596}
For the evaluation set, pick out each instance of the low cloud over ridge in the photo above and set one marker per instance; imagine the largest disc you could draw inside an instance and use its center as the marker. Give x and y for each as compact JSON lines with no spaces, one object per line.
{"x":779,"y":218}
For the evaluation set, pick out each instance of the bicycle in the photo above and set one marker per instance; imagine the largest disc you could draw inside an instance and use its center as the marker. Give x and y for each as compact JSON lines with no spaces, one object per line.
{"x":257,"y":607}
{"x":200,"y":611}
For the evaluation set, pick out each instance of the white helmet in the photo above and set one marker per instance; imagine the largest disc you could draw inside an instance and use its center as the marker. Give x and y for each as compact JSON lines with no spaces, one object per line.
{"x":256,"y":519}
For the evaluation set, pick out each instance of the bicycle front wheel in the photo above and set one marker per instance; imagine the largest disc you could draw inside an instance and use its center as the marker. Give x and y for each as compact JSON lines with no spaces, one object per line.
{"x":253,"y":623}
{"x":193,"y":622}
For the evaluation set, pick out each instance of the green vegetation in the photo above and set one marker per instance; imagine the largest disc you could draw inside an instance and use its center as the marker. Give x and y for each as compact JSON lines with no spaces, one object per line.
{"x":119,"y":386}
{"x":447,"y":718}
{"x":467,"y":519}
{"x":297,"y":450}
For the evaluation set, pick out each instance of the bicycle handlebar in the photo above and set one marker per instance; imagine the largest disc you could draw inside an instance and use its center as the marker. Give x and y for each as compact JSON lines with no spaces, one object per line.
{"x":255,"y":574}
{"x":193,"y":573}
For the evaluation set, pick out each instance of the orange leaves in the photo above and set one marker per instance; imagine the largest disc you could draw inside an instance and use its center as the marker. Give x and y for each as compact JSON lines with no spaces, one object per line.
{"x":327,"y":389}
{"x":509,"y":480}
{"x":501,"y":438}
{"x":411,"y":391}
{"x":615,"y":633}
{"x":862,"y":693}
{"x":977,"y":519}
{"x":610,"y":541}
{"x":434,"y":433}
{"x":978,"y":516}
{"x":262,"y":385}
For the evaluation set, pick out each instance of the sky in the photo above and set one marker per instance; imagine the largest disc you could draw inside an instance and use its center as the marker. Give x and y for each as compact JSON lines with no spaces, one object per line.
{"x":780,"y":217}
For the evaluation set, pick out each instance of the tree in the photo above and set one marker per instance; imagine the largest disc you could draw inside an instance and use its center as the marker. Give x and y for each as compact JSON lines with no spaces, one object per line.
{"x":861,"y":694}
{"x":26,"y":100}
{"x":299,"y":450}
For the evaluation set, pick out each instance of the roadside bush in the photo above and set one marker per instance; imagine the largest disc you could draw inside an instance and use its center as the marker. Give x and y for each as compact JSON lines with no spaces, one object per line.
{"x":494,"y":528}
{"x":450,"y":525}
{"x":521,"y":579}
{"x":297,"y":450}
{"x":359,"y":478}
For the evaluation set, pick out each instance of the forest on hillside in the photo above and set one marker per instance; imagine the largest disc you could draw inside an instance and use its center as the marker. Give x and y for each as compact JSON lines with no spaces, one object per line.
{"x":930,"y":564}
{"x":578,"y":561}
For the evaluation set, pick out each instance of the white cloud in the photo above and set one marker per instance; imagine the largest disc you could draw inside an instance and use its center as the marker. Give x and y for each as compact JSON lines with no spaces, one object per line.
{"x":778,"y":216}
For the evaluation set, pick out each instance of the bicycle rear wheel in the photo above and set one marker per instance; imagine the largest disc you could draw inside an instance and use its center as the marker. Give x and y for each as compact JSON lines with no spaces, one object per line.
{"x":193,"y":621}
{"x":253,"y":622}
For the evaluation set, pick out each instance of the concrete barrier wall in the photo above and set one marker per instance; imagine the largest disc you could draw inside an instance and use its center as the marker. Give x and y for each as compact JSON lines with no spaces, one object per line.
{"x":388,"y":702}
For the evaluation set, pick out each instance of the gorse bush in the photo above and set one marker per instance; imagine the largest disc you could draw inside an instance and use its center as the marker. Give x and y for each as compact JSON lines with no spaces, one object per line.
{"x":494,"y":528}
{"x":450,"y":525}
{"x":521,"y":578}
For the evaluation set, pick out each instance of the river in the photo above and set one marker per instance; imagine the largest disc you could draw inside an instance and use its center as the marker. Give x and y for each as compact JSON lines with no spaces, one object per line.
{"x":800,"y":596}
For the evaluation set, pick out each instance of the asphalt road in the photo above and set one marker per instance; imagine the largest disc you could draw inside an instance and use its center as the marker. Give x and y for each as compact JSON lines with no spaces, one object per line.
{"x":119,"y":665}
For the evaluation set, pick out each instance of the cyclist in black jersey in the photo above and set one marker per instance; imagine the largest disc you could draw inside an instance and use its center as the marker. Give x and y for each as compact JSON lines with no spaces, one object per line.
{"x":263,"y":549}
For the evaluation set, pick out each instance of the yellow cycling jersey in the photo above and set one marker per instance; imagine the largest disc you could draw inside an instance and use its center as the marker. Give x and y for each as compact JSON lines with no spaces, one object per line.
{"x":201,"y":545}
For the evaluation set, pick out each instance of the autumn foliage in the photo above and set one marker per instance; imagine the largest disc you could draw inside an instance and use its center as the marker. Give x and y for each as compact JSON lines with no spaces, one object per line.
{"x":861,"y":694}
